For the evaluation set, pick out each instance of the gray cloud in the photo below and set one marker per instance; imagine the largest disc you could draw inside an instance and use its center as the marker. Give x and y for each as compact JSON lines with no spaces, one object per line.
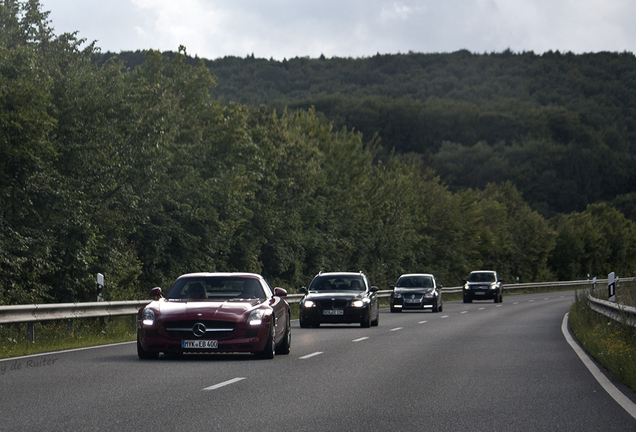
{"x":290,"y":28}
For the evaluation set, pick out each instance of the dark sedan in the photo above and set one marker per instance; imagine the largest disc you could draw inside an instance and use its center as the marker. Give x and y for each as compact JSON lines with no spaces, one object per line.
{"x":416,"y":291}
{"x":215,"y":312}
{"x":336,"y":298}
{"x":483,"y":285}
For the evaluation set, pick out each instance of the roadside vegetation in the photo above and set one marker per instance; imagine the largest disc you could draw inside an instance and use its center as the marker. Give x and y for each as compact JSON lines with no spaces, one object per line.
{"x":58,"y":335}
{"x":611,"y":343}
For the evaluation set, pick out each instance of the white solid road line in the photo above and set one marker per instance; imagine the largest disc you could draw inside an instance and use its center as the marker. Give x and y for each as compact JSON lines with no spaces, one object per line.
{"x":223,"y":384}
{"x":615,"y":393}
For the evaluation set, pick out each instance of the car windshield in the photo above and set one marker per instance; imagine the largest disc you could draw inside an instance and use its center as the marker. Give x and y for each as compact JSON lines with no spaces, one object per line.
{"x":481,"y":277}
{"x":337,"y":283}
{"x":216,"y":287}
{"x":415,"y":282}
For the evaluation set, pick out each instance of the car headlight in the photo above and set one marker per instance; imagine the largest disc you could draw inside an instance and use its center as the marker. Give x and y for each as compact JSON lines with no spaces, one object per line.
{"x":308,"y":304}
{"x":493,"y":286}
{"x":357,"y":303}
{"x":148,"y":317}
{"x":256,"y":317}
{"x":397,"y":295}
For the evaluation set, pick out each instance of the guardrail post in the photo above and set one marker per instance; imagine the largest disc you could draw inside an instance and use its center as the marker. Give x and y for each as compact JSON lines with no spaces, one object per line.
{"x":70,"y":326}
{"x":31,"y":332}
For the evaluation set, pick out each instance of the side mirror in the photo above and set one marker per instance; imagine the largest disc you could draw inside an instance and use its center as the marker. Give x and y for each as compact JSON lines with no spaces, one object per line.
{"x":374,"y":289}
{"x":155,"y":293}
{"x":303,"y":290}
{"x":280,"y":292}
{"x":392,"y":287}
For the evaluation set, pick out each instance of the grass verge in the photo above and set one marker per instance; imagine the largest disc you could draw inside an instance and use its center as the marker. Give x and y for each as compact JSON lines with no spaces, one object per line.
{"x":611,"y":343}
{"x":60,"y":335}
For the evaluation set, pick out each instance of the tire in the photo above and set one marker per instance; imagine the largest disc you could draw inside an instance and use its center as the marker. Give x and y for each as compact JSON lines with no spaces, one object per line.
{"x":468,"y":300}
{"x":285,"y":345}
{"x":435,"y":308}
{"x":441,"y":306}
{"x":269,"y":351}
{"x":376,"y":321}
{"x":303,"y":323}
{"x":367,"y":322}
{"x":143,"y":354}
{"x":394,"y":310}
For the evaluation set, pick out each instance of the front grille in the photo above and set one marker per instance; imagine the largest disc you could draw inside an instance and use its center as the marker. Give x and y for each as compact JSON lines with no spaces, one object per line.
{"x":332,"y":304}
{"x":183,"y":329}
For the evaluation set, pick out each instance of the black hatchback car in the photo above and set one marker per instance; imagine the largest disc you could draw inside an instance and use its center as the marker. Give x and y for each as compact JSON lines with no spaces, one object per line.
{"x":483,"y":285}
{"x":337,"y":298}
{"x":416,"y":291}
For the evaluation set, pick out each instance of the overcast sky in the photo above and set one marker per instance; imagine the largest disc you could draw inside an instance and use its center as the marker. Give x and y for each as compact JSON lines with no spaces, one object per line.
{"x":348,"y":28}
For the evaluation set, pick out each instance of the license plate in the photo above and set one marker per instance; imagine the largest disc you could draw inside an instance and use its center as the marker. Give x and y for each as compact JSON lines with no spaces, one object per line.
{"x":412,"y":300}
{"x":207,"y":344}
{"x":333,"y":312}
{"x":480,"y":293}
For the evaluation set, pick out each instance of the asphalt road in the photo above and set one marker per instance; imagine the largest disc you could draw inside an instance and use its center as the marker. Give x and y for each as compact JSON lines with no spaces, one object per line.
{"x":473,"y":367}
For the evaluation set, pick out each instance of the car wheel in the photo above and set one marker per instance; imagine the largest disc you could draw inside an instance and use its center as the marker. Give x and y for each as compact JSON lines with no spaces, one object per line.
{"x":303,"y":323}
{"x":434,"y":310}
{"x":376,"y":321}
{"x":366,"y":323}
{"x":440,"y":306}
{"x":396,"y":310}
{"x":143,"y":354}
{"x":468,"y":300}
{"x":285,"y":344}
{"x":270,"y":347}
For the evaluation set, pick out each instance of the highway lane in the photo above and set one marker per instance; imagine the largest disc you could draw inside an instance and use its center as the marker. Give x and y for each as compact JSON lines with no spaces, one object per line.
{"x":472,"y":367}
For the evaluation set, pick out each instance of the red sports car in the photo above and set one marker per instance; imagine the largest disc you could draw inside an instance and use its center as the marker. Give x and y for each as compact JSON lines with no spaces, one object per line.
{"x":215,"y":312}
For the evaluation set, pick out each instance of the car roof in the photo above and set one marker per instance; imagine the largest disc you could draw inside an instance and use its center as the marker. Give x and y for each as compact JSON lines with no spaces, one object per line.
{"x":340,"y":274}
{"x":417,"y":274}
{"x":483,"y":271}
{"x":221,"y":274}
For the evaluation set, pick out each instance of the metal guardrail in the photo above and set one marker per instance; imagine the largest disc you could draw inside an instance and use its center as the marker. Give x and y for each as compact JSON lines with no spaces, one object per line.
{"x":46,"y":312}
{"x":617,"y":312}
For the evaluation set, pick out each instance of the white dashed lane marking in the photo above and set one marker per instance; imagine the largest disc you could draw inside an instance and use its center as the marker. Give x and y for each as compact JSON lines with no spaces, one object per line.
{"x":311,"y":355}
{"x":360,"y":339}
{"x":223,"y":384}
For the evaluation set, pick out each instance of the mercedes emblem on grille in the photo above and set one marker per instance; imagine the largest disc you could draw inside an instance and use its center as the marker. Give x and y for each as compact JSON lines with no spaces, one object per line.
{"x":199,"y":329}
{"x":412,"y":296}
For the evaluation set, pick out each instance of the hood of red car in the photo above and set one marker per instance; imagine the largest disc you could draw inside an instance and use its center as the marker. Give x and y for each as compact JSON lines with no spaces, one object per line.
{"x":205,"y":309}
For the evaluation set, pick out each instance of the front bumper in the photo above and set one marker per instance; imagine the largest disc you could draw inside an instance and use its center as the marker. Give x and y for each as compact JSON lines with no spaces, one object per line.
{"x":242,"y":338}
{"x":481,"y":294}
{"x":350,"y":315}
{"x":405,"y":304}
